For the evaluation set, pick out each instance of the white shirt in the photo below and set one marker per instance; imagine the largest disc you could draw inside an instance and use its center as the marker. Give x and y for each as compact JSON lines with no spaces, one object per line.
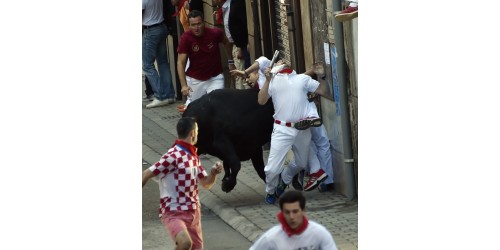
{"x":263,"y":64}
{"x":225,"y":12}
{"x":314,"y":237}
{"x":289,"y":93}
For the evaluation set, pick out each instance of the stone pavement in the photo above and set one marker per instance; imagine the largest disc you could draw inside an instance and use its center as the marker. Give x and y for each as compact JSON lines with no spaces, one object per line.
{"x":244,"y":208}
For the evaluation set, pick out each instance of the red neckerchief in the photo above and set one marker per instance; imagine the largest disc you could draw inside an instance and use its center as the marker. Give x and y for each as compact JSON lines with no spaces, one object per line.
{"x":286,"y":71}
{"x":180,"y":4}
{"x":288,"y":230}
{"x":189,"y":147}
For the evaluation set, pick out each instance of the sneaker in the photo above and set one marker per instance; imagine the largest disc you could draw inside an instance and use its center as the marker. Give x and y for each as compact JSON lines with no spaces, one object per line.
{"x":157,"y":103}
{"x":326,"y":187}
{"x":270,"y":199}
{"x":348,"y":14}
{"x":170,"y":100}
{"x":316,"y":122}
{"x":149,"y":97}
{"x":280,"y":189}
{"x":307,"y":123}
{"x":315,"y":179}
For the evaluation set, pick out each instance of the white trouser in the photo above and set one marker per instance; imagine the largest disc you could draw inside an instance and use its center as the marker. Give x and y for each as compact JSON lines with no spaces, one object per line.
{"x":282,"y":139}
{"x":199,"y":88}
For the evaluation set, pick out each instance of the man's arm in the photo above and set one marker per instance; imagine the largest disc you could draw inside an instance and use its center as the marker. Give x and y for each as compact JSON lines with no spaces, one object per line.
{"x":317,"y":69}
{"x":264,"y":91}
{"x":229,"y":52}
{"x":181,"y":71}
{"x":322,"y":88}
{"x":146,"y":175}
{"x":246,"y":72}
{"x":208,"y":181}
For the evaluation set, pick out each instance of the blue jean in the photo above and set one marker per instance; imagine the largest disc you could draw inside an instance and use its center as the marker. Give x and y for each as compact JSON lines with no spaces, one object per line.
{"x":320,"y":149}
{"x":154,"y":47}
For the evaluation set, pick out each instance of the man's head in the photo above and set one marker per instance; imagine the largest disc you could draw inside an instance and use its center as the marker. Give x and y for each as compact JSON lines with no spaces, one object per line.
{"x":292,"y":204}
{"x":187,"y":129}
{"x":196,"y":25}
{"x":252,"y":78}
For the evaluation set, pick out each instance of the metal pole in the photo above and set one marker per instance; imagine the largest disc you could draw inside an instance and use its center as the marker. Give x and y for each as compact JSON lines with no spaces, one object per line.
{"x":345,"y":114}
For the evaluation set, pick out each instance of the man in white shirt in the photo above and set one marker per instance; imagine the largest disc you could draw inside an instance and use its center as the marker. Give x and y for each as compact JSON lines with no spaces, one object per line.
{"x":291,"y":106}
{"x":320,"y":154}
{"x":295,"y":230}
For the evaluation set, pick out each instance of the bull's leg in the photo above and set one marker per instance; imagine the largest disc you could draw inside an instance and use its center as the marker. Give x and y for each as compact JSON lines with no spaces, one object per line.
{"x":231,"y":161}
{"x":258,"y":163}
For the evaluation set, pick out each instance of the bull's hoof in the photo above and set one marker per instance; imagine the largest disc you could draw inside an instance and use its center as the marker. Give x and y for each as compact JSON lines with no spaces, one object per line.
{"x":228,"y":184}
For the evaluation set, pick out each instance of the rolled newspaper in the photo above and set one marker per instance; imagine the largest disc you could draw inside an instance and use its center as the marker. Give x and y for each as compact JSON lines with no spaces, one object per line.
{"x":275,"y":57}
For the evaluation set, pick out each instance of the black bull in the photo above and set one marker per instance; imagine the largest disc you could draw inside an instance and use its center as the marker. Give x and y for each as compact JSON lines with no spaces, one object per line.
{"x":233,"y":127}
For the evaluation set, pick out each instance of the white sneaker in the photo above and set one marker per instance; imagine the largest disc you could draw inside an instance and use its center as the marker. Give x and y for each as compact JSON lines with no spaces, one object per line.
{"x":157,"y":103}
{"x":170,"y":100}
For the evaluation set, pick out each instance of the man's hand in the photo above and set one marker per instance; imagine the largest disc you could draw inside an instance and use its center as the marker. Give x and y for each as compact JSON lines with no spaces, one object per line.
{"x":236,"y":72}
{"x":185,"y":90}
{"x":208,"y":181}
{"x":268,"y":74}
{"x":319,"y":69}
{"x":216,"y":168}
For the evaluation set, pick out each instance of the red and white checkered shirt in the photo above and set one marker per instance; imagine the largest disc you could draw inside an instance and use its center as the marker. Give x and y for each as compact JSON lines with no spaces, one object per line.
{"x":179,"y":172}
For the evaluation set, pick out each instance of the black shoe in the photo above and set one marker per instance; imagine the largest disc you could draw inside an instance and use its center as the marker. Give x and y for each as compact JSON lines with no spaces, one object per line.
{"x":297,"y":185}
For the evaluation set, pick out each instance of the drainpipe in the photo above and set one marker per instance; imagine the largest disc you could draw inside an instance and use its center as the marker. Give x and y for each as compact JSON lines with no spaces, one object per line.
{"x":344,"y":104}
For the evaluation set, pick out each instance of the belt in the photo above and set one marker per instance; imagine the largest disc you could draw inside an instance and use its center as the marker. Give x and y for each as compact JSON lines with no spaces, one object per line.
{"x":151,"y":26}
{"x":288,"y":124}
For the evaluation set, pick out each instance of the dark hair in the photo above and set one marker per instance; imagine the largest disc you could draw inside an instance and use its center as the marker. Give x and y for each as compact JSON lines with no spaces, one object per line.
{"x":184,"y":126}
{"x":195,"y":13}
{"x":292,"y":196}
